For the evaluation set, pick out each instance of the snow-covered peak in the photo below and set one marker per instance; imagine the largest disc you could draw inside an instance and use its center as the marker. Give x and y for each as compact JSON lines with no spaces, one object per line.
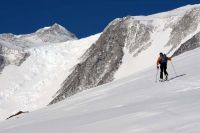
{"x":54,"y":34}
{"x":56,"y":29}
{"x":178,"y":12}
{"x":56,"y":26}
{"x":47,"y":35}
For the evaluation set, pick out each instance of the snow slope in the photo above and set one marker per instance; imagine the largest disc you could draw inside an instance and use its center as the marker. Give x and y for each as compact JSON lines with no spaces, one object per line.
{"x":161,"y":37}
{"x":32,"y":84}
{"x":135,"y":104}
{"x":129,"y":45}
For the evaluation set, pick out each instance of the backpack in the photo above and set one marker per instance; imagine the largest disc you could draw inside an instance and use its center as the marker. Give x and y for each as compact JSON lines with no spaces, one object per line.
{"x":163,"y":59}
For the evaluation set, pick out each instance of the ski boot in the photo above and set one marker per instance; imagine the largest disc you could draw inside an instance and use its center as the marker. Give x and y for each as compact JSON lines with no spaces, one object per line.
{"x":161,"y":80}
{"x":166,"y":77}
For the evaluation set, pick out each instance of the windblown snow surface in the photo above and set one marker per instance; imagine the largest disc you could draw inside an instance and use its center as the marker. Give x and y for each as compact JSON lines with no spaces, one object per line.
{"x":135,"y":104}
{"x":33,"y":84}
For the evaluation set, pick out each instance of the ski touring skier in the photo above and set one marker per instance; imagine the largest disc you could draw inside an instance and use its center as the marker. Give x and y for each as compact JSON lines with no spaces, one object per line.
{"x":162,"y":61}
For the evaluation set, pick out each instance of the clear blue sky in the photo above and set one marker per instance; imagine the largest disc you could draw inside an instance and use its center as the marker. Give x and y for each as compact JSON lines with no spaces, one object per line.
{"x":82,"y":17}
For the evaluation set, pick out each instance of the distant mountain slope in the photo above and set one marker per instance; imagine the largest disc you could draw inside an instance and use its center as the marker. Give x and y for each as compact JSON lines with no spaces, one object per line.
{"x":12,"y":46}
{"x":34,"y":66}
{"x":190,"y":44}
{"x":11,"y":56}
{"x":53,"y":34}
{"x":129,"y":45}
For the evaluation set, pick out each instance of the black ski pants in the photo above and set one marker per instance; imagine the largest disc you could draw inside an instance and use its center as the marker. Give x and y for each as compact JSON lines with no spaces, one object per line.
{"x":163,"y":68}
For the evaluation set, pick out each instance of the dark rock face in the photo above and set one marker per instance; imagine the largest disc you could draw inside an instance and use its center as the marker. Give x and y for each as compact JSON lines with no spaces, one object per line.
{"x":17,"y":114}
{"x":55,"y":34}
{"x":138,"y":36}
{"x":185,"y":26}
{"x":104,"y":57}
{"x":98,"y":68}
{"x":25,"y":56}
{"x":191,"y":44}
{"x":18,"y":56}
{"x":2,"y":60}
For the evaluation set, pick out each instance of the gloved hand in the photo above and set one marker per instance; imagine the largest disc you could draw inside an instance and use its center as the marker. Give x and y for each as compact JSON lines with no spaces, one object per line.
{"x":157,"y":67}
{"x":170,"y":58}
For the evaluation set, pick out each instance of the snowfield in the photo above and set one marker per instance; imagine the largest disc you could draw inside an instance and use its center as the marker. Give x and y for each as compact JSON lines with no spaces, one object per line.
{"x":160,"y":36}
{"x":135,"y":104}
{"x":33,"y":84}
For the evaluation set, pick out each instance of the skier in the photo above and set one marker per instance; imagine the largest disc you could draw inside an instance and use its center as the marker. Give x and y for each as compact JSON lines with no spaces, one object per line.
{"x":162,"y":60}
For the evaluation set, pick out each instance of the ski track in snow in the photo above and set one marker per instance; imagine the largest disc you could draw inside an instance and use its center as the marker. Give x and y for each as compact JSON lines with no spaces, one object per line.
{"x":135,"y":104}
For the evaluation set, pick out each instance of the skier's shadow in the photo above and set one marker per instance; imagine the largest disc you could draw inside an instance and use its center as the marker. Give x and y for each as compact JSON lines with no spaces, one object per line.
{"x":177,"y":76}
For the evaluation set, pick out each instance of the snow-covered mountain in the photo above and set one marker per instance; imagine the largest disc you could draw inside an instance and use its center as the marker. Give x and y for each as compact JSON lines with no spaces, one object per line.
{"x":12,"y":46}
{"x":11,"y":56}
{"x":132,"y":44}
{"x":135,"y":104}
{"x":34,"y":66}
{"x":33,"y":84}
{"x":53,"y":34}
{"x":51,"y":64}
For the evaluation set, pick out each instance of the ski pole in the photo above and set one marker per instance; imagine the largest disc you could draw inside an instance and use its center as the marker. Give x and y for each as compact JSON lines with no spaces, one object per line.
{"x":156,"y":75}
{"x":173,"y":68}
